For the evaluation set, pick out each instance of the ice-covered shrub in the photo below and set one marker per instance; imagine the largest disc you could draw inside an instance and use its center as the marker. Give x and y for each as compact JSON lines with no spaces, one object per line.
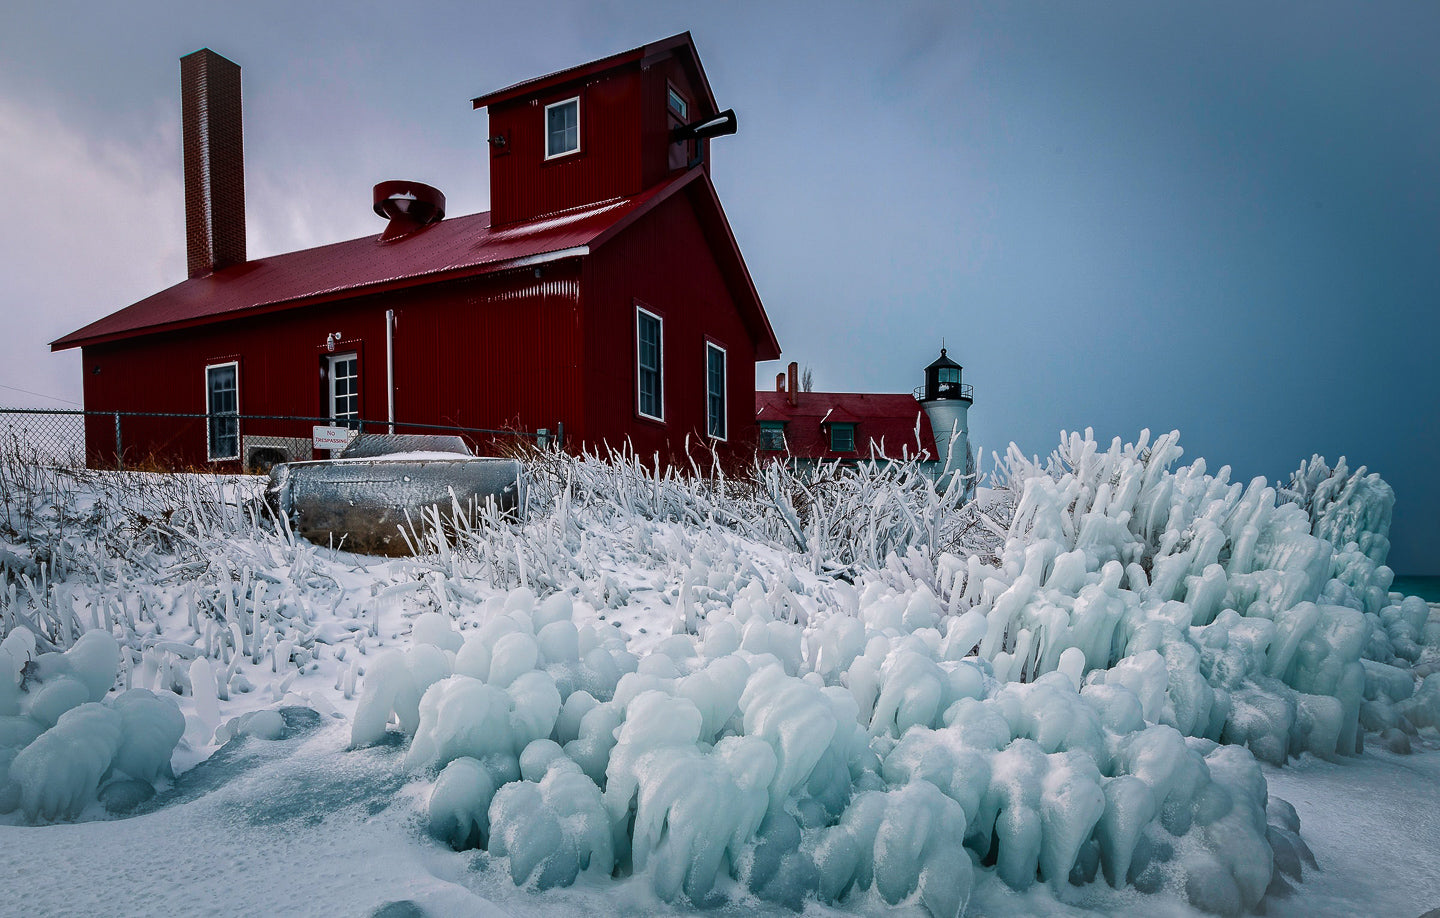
{"x":62,"y":740}
{"x":460,"y":802}
{"x":1049,"y":710}
{"x":394,"y":685}
{"x":843,"y":687}
{"x":1344,"y":508}
{"x":903,"y":842}
{"x":55,"y":771}
{"x":685,"y":808}
{"x":553,"y":824}
{"x":60,"y":771}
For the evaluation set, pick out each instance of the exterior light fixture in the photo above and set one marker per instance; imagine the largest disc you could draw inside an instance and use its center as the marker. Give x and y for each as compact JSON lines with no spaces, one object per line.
{"x":723,"y":123}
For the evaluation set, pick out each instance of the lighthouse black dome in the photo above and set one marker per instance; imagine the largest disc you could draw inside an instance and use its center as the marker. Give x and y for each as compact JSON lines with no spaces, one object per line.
{"x":942,"y":380}
{"x":942,"y":361}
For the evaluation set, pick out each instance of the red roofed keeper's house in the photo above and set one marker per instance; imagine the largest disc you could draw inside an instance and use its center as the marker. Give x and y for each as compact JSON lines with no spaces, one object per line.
{"x":806,"y":428}
{"x":604,"y":291}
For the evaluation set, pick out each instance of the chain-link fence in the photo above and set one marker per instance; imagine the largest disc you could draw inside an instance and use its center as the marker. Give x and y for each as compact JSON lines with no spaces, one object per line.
{"x":213,"y":442}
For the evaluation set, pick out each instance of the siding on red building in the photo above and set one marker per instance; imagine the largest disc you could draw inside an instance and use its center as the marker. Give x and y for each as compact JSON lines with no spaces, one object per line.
{"x":659,"y":157}
{"x":625,"y":125}
{"x":525,"y":185}
{"x":683,"y":284}
{"x":500,"y":352}
{"x":495,"y":352}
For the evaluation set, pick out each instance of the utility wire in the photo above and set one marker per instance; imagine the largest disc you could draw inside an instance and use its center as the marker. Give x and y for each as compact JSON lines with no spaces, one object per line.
{"x":53,"y":398}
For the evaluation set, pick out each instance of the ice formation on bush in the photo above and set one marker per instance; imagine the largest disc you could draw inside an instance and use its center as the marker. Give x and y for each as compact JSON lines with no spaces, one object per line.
{"x":63,"y":743}
{"x":553,"y":823}
{"x":862,"y":692}
{"x":1083,"y":703}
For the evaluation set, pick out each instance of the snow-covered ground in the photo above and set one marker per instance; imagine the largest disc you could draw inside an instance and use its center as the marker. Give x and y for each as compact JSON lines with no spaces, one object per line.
{"x":845,"y":696}
{"x":1374,"y":826}
{"x":300,"y":826}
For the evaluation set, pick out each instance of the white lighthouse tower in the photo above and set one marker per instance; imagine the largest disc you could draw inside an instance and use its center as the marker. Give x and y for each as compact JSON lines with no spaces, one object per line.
{"x":947,"y":402}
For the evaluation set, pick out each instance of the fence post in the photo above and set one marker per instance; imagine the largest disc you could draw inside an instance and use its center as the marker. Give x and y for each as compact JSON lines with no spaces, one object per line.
{"x":119,"y":445}
{"x":559,"y":435}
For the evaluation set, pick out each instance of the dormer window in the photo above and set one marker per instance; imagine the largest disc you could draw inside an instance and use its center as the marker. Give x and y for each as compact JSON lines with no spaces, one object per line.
{"x":562,"y":128}
{"x":772,"y":436}
{"x":842,"y":438}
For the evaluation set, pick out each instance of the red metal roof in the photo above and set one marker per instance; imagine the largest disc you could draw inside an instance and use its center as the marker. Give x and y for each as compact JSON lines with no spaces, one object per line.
{"x":681,"y":43}
{"x":453,"y":248}
{"x":885,"y":424}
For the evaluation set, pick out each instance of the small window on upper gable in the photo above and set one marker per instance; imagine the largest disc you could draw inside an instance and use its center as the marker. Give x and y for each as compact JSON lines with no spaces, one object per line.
{"x":677,"y":104}
{"x":562,"y":128}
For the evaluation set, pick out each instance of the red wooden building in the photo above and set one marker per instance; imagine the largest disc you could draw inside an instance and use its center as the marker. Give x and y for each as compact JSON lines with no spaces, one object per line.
{"x":843,"y":426}
{"x":603,"y":291}
{"x":931,"y":424}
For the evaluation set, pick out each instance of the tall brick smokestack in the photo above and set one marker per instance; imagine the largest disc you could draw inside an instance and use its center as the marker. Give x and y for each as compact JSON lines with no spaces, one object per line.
{"x":214,"y":146}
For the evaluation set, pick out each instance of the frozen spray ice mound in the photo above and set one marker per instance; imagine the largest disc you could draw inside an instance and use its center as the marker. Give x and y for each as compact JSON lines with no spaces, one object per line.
{"x":779,"y":783}
{"x":1222,"y":607}
{"x":1082,"y":703}
{"x":64,"y":744}
{"x":849,"y":713}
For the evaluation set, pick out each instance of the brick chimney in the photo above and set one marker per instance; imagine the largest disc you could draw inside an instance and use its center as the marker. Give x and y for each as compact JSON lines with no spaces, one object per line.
{"x":794,"y":383}
{"x":779,"y":382}
{"x":213,"y":141}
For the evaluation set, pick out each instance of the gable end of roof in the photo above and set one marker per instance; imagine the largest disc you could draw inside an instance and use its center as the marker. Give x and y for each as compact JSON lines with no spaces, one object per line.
{"x":643,"y":56}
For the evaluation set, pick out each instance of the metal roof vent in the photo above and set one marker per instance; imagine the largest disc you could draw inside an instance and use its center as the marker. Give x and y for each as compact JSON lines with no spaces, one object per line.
{"x":409,"y":206}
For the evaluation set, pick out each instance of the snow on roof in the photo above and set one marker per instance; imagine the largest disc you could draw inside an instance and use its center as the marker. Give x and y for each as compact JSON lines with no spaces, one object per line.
{"x":839,"y":414}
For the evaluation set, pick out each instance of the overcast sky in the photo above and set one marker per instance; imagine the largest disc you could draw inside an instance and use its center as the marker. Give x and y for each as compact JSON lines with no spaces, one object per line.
{"x":1221,"y":218}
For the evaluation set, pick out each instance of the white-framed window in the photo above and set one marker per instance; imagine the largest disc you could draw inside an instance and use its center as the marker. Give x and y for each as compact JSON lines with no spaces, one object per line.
{"x":649,"y":364}
{"x":677,"y":103}
{"x":715,"y":390}
{"x":562,"y":128}
{"x":343,"y":382}
{"x":222,"y":404}
{"x":678,"y":111}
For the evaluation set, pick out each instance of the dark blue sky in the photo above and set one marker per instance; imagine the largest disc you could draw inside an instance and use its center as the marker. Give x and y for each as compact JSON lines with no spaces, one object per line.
{"x":1222,"y":218}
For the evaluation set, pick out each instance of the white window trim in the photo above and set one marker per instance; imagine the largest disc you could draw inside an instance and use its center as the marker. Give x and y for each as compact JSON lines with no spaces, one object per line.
{"x":546,"y":123}
{"x":209,"y":447}
{"x":331,"y":360}
{"x":724,"y":391}
{"x":670,"y":91}
{"x":661,"y":368}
